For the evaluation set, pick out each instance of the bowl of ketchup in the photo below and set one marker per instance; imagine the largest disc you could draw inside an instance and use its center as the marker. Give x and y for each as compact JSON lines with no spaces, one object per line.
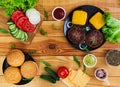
{"x":58,"y":13}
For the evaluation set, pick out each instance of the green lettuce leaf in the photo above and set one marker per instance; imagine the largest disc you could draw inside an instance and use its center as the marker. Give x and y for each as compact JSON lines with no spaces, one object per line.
{"x":12,"y":5}
{"x":111,"y":30}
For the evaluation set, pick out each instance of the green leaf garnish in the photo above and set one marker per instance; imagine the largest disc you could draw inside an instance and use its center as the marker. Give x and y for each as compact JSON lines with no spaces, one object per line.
{"x":77,"y":61}
{"x":13,"y":46}
{"x":43,"y":32}
{"x":53,"y":27}
{"x":84,"y":47}
{"x":74,"y":27}
{"x":10,"y":21}
{"x":4,"y":31}
{"x":27,"y":79}
{"x":46,"y":15}
{"x":84,"y":68}
{"x":45,"y":63}
{"x":87,"y":50}
{"x":92,"y":42}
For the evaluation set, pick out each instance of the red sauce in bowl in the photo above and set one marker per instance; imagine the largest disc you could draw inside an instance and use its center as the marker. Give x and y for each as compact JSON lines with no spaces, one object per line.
{"x":58,"y":13}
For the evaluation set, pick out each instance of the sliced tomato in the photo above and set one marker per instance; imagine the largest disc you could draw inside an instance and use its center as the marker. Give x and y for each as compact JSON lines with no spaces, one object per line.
{"x":28,"y":27}
{"x":16,"y":15}
{"x":21,"y":21}
{"x":63,"y":72}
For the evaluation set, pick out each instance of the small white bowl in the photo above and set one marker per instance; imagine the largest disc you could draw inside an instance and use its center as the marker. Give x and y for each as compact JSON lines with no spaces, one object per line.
{"x":98,"y":77}
{"x":58,"y":13}
{"x":105,"y":79}
{"x":113,"y":53}
{"x":93,"y":58}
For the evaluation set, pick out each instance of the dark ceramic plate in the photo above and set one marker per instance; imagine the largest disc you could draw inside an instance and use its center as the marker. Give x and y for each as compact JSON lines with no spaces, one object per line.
{"x":91,"y":10}
{"x":23,"y":80}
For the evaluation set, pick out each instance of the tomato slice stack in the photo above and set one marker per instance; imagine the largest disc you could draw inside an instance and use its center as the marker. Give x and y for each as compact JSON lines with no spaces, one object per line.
{"x":16,"y":15}
{"x":22,"y":22}
{"x":28,"y":27}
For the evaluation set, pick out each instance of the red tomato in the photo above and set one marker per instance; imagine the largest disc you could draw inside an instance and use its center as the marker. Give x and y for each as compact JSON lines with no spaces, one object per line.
{"x":28,"y":27}
{"x":63,"y":72}
{"x":20,"y":22}
{"x":16,"y":15}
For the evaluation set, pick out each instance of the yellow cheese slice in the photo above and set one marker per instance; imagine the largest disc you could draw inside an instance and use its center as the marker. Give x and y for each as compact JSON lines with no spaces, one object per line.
{"x":79,"y":17}
{"x":81,"y":78}
{"x":76,"y":78}
{"x":72,"y":74}
{"x":85,"y":78}
{"x":68,"y":80}
{"x":97,"y":20}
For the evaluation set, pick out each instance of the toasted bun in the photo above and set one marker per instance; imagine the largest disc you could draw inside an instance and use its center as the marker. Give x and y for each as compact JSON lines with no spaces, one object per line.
{"x":15,"y":58}
{"x":29,"y":69}
{"x":12,"y":75}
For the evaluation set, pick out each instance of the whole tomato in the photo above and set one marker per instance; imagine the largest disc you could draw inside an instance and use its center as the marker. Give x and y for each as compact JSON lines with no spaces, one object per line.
{"x":63,"y":72}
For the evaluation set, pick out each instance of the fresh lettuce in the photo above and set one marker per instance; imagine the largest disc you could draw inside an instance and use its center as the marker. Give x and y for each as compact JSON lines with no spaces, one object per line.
{"x":11,"y":5}
{"x":111,"y":30}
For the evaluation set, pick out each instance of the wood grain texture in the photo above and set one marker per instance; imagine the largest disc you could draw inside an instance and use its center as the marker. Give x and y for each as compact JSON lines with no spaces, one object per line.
{"x":57,"y":61}
{"x":55,"y":37}
{"x":55,"y":49}
{"x":37,"y":82}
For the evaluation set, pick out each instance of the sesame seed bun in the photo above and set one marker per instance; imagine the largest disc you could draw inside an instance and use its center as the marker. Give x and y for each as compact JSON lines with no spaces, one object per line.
{"x":29,"y":69}
{"x":12,"y":75}
{"x":15,"y":58}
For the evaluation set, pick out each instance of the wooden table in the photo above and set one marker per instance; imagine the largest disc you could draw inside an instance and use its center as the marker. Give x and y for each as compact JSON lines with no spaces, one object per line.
{"x":62,"y":51}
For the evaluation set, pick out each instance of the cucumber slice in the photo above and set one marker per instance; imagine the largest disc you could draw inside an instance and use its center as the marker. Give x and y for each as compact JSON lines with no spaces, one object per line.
{"x":19,"y":34}
{"x":14,"y":33}
{"x":26,"y":36}
{"x":11,"y":27}
{"x":10,"y":22}
{"x":11,"y":30}
{"x":22,"y":35}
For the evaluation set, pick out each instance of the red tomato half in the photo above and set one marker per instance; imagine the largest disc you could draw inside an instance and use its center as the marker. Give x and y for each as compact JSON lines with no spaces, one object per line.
{"x":16,"y":15}
{"x":63,"y":72}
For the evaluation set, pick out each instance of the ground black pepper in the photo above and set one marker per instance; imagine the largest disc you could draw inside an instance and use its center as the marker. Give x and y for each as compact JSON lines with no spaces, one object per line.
{"x":113,"y":57}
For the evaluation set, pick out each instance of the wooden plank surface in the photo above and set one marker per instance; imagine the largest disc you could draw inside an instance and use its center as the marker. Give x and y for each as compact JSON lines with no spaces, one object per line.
{"x":55,"y":37}
{"x":61,"y":51}
{"x":57,"y":61}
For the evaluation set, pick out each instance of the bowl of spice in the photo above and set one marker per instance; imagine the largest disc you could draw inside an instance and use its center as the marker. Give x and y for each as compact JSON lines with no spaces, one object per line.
{"x":58,"y":13}
{"x":90,"y":60}
{"x":113,"y":58}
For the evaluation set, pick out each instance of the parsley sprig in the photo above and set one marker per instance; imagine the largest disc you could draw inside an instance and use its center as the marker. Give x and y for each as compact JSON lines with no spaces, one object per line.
{"x":46,"y":15}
